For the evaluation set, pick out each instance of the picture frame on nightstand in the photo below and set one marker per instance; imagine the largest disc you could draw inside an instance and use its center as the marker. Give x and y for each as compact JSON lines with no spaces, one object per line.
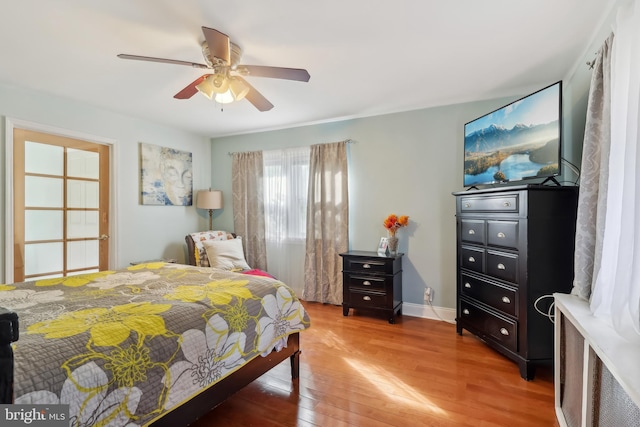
{"x":383,"y":247}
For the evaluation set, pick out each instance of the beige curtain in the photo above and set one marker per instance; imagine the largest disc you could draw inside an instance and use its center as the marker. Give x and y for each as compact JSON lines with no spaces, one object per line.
{"x":592,"y":201}
{"x":248,"y":206}
{"x":327,"y":223}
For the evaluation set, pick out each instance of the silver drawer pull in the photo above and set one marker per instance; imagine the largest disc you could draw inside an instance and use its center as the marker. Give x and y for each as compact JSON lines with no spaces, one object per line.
{"x":503,"y":331}
{"x":467,"y":205}
{"x":465,"y":311}
{"x":501,"y":267}
{"x":472,"y":231}
{"x":467,"y":285}
{"x":472,"y":259}
{"x":506,"y":204}
{"x":366,"y":266}
{"x":506,"y":300}
{"x":501,"y":235}
{"x":366,"y":283}
{"x":366,"y":298}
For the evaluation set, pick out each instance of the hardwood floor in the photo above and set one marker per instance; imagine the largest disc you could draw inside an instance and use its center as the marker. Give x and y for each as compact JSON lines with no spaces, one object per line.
{"x":362,"y":371}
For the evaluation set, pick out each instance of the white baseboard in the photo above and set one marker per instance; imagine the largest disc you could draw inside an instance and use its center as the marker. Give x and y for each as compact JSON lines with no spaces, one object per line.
{"x":429,"y":312}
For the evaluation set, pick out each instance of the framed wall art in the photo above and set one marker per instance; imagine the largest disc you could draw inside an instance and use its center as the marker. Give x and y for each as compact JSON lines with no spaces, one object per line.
{"x":166,"y":176}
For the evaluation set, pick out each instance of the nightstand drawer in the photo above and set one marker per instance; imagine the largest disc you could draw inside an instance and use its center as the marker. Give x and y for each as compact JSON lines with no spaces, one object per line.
{"x":502,"y":265}
{"x":497,"y":296}
{"x":472,"y":258}
{"x":359,"y":281}
{"x":368,"y":265}
{"x":363,"y":299}
{"x":498,"y":328}
{"x":472,"y":231}
{"x":502,"y":233}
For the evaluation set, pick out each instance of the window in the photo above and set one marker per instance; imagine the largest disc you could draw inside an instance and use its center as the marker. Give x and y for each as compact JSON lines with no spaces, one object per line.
{"x":286,"y":179}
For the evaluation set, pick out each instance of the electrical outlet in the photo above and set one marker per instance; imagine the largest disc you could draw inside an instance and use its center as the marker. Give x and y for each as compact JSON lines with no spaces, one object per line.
{"x":428,"y":294}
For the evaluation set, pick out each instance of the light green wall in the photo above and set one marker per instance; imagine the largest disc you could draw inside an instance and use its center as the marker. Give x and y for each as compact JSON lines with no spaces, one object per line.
{"x":406,"y":163}
{"x":143,"y":232}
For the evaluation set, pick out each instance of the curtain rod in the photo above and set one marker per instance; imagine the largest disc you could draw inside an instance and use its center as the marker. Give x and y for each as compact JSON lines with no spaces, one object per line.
{"x":348,"y":141}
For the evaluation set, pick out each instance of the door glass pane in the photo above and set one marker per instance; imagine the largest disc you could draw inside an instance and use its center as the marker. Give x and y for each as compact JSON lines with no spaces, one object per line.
{"x":82,"y":254}
{"x":43,"y":158}
{"x":42,"y":225}
{"x":82,"y":224}
{"x":82,"y":164}
{"x":43,"y":192}
{"x":42,"y":258}
{"x":82,"y":194}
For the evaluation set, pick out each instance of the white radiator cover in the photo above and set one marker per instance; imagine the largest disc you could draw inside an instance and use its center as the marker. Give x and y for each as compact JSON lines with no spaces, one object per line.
{"x":597,"y":375}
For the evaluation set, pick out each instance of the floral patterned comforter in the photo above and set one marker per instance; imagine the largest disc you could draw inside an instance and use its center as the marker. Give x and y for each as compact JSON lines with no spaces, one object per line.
{"x":123,"y":347}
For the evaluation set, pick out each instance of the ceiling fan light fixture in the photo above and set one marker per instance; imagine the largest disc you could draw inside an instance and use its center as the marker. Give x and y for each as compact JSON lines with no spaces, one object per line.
{"x":205,"y":87}
{"x":219,"y":82}
{"x":225,"y":97}
{"x":238,"y":88}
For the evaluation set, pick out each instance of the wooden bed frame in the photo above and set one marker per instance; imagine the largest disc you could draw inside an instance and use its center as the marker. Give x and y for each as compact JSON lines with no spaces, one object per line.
{"x":188,"y":412}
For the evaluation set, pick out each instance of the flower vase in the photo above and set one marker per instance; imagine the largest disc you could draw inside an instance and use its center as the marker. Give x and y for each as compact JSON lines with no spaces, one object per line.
{"x":393,"y":245}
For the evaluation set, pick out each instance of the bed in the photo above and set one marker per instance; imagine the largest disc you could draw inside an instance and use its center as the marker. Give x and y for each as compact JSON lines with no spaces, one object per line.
{"x":154,"y":344}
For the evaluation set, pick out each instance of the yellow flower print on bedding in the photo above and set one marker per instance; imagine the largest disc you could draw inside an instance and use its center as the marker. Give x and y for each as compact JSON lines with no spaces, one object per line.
{"x":148,"y":265}
{"x":218,"y":292}
{"x":4,"y":287}
{"x":73,"y":281}
{"x":107,"y":326}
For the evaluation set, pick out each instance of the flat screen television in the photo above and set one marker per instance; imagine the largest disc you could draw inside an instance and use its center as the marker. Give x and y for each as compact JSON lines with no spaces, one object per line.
{"x":519,"y":141}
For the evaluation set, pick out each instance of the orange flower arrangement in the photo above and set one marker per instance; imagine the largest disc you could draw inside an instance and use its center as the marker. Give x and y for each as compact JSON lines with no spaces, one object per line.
{"x":393,"y":222}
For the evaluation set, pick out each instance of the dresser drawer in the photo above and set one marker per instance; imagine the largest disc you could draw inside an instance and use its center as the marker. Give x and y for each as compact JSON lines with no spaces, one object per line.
{"x":472,"y":231}
{"x":366,"y":265}
{"x":472,"y":258}
{"x":359,"y":281}
{"x":502,"y":233}
{"x":363,"y":299}
{"x":502,"y":265}
{"x":498,"y":328}
{"x":502,"y":203}
{"x":497,"y":296}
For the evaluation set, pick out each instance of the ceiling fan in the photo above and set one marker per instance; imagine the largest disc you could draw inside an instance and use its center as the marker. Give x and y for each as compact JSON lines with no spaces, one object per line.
{"x":224,"y":80}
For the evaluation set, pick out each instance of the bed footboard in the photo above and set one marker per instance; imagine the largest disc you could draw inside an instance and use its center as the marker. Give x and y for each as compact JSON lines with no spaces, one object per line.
{"x":8,"y":334}
{"x":195,"y":408}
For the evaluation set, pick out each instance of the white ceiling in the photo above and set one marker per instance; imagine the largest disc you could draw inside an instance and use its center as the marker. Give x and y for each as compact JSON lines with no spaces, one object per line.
{"x":365,"y":57}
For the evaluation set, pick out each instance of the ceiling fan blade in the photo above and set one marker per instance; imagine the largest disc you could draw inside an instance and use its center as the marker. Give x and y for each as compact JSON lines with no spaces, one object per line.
{"x":191,"y":89}
{"x":218,"y":42}
{"x":298,"y":74}
{"x":256,"y":98}
{"x":163,"y":60}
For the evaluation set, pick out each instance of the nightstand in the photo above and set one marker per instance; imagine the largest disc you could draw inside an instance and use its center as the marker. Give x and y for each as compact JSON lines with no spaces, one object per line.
{"x":372,"y":282}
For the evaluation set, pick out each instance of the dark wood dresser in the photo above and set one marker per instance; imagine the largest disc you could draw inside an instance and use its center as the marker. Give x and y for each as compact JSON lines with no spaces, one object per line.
{"x":514,"y":248}
{"x":372,"y":282}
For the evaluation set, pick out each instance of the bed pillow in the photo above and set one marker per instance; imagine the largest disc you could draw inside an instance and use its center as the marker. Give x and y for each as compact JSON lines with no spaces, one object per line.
{"x":226,"y":254}
{"x":200,"y":255}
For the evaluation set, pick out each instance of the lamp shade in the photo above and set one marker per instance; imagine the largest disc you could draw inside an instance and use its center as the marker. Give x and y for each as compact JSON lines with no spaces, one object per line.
{"x":209,"y":199}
